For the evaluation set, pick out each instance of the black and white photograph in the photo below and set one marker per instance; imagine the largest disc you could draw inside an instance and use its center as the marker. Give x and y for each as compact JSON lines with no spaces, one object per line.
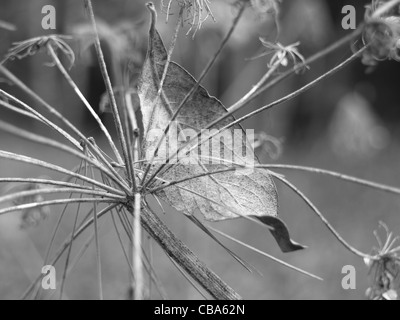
{"x":199,"y":156}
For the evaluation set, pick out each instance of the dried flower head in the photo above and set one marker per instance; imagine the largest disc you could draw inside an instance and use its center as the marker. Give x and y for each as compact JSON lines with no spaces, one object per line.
{"x":381,"y":32}
{"x":30,"y":47}
{"x":282,"y":54}
{"x":384,"y":267}
{"x":196,"y":12}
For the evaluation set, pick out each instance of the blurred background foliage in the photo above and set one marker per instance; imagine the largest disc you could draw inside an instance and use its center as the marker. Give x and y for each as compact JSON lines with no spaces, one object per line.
{"x":349,"y":123}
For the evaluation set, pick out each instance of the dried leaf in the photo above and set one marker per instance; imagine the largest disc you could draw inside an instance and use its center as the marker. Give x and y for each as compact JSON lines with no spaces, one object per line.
{"x":219,"y":196}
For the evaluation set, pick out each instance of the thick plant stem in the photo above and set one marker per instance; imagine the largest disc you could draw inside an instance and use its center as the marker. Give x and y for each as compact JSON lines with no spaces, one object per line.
{"x":136,"y":250}
{"x":186,"y":259}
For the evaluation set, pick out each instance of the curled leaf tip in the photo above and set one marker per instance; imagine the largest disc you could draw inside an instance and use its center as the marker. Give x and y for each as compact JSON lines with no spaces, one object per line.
{"x":150,"y":6}
{"x":153,"y":12}
{"x":281,"y":234}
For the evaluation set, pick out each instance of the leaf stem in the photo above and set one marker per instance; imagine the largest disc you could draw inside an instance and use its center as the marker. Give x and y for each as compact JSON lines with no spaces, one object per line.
{"x":45,"y":182}
{"x":185,"y":258}
{"x":160,"y":91}
{"x":32,"y":113}
{"x":97,"y":243}
{"x":84,"y":100}
{"x":281,"y":262}
{"x":261,"y":87}
{"x":54,"y":112}
{"x":43,"y":164}
{"x":337,"y":175}
{"x":321,"y":217}
{"x":64,"y":276}
{"x":66,"y":244}
{"x":259,"y":110}
{"x":36,"y":295}
{"x":268,"y":106}
{"x":32,"y":193}
{"x":153,"y":276}
{"x":60,"y":146}
{"x":249,"y":95}
{"x":107,"y":82}
{"x":53,"y":203}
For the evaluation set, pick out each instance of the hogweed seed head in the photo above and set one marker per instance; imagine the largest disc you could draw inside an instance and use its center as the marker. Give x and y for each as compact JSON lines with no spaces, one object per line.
{"x":26,"y":48}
